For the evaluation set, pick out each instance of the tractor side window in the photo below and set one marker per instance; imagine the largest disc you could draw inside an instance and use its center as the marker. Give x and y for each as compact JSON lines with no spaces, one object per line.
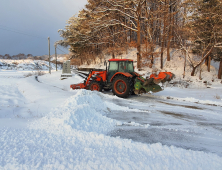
{"x":122,"y":67}
{"x":113,"y":66}
{"x":130,"y":67}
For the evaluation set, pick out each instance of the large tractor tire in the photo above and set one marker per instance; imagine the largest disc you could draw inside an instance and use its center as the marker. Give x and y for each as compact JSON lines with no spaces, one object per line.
{"x":95,"y":86}
{"x":121,"y":86}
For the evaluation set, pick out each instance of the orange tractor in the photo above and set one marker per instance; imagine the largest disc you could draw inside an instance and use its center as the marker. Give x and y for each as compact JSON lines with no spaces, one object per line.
{"x":121,"y":78}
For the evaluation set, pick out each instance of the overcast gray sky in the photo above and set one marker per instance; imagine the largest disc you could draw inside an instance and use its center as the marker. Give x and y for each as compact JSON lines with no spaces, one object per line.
{"x":25,"y":25}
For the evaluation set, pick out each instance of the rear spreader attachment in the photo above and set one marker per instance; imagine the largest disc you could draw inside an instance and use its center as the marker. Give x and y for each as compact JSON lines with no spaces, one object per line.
{"x":162,"y":77}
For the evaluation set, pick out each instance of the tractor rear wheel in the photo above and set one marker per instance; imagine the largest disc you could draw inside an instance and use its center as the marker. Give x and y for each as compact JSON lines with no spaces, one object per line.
{"x":95,"y":86}
{"x":121,"y":86}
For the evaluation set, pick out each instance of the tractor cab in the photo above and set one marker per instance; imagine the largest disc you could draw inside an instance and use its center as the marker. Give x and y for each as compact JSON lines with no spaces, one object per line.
{"x":119,"y":65}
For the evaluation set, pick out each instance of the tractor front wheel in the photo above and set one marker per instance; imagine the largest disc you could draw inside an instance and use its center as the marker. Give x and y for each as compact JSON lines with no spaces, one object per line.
{"x":121,"y":86}
{"x":95,"y":86}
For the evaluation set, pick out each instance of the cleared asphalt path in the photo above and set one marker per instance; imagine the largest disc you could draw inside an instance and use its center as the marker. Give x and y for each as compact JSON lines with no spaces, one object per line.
{"x":183,"y":124}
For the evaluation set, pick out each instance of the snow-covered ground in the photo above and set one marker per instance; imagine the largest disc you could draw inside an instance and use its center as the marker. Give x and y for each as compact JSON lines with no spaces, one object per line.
{"x":45,"y":125}
{"x":27,"y":64}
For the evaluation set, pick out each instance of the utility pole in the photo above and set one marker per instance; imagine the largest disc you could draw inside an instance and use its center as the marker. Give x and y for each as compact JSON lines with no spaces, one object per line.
{"x":49,"y":56}
{"x":56,"y":56}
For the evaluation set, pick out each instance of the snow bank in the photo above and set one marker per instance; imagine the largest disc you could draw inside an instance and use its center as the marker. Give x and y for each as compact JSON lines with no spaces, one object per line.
{"x":191,"y":99}
{"x":83,"y":111}
{"x":209,"y":96}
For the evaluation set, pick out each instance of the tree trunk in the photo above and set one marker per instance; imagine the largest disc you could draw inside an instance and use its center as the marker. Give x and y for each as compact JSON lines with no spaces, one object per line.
{"x":200,"y":73}
{"x":185,"y":60}
{"x":138,"y":46}
{"x":206,"y":61}
{"x":152,"y":51}
{"x":220,"y":69}
{"x":193,"y":71}
{"x":131,"y":39}
{"x":138,"y":59}
{"x":208,"y":53}
{"x":163,"y":37}
{"x":113,"y":56}
{"x":168,"y":49}
{"x":138,"y":39}
{"x":152,"y":37}
{"x":208,"y":66}
{"x":81,"y":61}
{"x":161,"y":58}
{"x":170,"y":34}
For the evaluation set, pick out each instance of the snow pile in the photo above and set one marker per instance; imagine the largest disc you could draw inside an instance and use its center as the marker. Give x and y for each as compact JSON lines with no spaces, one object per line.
{"x":83,"y":111}
{"x":86,"y":111}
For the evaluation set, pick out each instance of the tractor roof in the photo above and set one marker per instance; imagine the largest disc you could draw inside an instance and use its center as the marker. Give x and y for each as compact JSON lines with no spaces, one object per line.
{"x":120,"y":60}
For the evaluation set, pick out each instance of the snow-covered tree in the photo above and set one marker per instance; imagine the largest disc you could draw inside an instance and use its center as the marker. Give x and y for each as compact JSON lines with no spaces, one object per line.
{"x":203,"y":27}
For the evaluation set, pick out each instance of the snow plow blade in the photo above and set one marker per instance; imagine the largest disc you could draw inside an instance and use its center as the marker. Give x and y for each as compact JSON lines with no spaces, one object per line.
{"x":145,"y":86}
{"x":78,"y":86}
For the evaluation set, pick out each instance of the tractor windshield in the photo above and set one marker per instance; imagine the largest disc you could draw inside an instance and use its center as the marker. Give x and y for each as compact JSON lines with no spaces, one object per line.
{"x":126,"y":66}
{"x":119,"y":66}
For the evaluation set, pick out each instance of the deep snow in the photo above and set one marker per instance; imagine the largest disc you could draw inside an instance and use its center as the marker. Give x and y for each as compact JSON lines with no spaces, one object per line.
{"x":44,"y":125}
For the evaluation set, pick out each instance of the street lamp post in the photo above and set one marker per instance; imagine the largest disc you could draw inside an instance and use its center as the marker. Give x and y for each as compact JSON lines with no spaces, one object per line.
{"x":49,"y":56}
